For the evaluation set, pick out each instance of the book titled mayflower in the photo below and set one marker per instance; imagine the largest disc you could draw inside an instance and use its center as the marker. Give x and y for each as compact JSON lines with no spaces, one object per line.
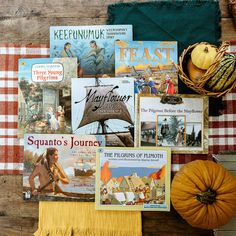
{"x":133,"y":179}
{"x":104,"y":106}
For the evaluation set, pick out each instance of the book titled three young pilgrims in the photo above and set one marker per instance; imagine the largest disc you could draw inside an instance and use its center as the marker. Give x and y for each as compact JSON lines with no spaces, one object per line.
{"x":93,"y":46}
{"x":44,"y":95}
{"x":152,"y":63}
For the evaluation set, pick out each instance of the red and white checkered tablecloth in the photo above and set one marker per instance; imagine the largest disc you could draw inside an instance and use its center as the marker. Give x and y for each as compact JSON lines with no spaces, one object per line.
{"x":11,"y":150}
{"x":222,"y":129}
{"x":222,"y":134}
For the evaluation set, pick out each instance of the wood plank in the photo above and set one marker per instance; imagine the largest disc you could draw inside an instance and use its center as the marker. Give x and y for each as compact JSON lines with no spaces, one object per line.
{"x":18,"y":223}
{"x":229,"y":165}
{"x":169,"y":223}
{"x":13,"y":232}
{"x":233,"y":173}
{"x":23,"y":21}
{"x":224,"y":9}
{"x":226,"y":157}
{"x":228,"y":29}
{"x":39,"y":8}
{"x":17,"y":29}
{"x":11,"y":200}
{"x":93,"y":9}
{"x":230,"y":226}
{"x":225,"y":233}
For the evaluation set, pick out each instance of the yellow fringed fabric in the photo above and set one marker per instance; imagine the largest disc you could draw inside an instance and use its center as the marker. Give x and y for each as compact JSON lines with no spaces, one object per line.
{"x":81,"y":219}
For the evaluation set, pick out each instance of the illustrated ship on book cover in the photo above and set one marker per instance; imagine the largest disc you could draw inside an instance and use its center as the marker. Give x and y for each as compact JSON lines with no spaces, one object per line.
{"x":105,"y":111}
{"x":84,"y":168}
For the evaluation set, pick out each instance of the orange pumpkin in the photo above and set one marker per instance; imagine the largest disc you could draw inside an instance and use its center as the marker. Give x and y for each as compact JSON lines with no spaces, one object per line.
{"x":195,"y":74}
{"x":204,"y":194}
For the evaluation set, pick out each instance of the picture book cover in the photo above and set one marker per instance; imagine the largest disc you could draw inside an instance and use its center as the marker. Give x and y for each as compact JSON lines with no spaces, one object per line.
{"x":133,"y":179}
{"x":179,"y":122}
{"x":93,"y":46}
{"x":152,"y":63}
{"x":104,"y":106}
{"x":60,"y":167}
{"x":44,"y":95}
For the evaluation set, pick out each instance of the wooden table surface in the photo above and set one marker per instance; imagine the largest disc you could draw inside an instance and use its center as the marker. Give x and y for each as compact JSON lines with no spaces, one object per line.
{"x":25,"y":21}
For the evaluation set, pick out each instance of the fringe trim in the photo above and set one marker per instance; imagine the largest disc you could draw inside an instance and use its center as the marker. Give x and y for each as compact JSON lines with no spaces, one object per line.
{"x":85,"y":232}
{"x":81,"y":219}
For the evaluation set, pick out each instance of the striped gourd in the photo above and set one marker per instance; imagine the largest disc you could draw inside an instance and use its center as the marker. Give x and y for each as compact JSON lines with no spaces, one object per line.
{"x":224,"y":76}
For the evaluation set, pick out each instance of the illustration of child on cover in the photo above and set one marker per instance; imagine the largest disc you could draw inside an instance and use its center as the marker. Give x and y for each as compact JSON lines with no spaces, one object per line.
{"x":61,"y":116}
{"x":51,"y":119}
{"x":49,"y":172}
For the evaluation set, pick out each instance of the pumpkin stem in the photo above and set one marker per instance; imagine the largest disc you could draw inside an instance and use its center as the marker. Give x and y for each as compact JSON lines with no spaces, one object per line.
{"x":207,"y":197}
{"x":206,"y":49}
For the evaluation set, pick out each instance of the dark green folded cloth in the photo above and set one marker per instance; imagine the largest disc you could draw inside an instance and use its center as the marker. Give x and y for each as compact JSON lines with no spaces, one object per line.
{"x":186,"y":22}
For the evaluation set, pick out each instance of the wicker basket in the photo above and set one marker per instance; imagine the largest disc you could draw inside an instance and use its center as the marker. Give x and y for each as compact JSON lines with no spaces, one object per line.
{"x":199,"y":86}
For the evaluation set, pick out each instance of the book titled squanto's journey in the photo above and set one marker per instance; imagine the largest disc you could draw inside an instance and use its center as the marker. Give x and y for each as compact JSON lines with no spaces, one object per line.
{"x":133,"y":179}
{"x":93,"y":46}
{"x":60,"y":166}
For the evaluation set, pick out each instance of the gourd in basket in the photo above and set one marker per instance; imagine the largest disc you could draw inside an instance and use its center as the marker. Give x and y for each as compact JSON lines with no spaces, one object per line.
{"x":207,"y":69}
{"x":204,"y":194}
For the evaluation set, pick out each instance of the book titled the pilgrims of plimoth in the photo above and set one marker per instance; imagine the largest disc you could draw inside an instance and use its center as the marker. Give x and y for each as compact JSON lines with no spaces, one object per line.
{"x":92,"y":45}
{"x":133,"y":179}
{"x":44,"y":95}
{"x":60,"y":167}
{"x":152,"y":63}
{"x":104,"y":106}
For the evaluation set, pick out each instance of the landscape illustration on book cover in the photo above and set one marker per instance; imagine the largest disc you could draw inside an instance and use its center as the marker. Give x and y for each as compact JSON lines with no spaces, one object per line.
{"x":93,"y":46}
{"x":104,"y":106}
{"x":133,"y":179}
{"x":44,"y":95}
{"x":60,"y":167}
{"x":152,"y":63}
{"x":179,"y":122}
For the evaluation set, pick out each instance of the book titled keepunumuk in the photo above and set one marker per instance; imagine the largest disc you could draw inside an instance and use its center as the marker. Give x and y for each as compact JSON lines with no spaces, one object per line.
{"x":93,"y":46}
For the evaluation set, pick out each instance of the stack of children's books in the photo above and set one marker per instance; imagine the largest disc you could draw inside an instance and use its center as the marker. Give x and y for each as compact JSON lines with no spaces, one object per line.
{"x":101,"y":117}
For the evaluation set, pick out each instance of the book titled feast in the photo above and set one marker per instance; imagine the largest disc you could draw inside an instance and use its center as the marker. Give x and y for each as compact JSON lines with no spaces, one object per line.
{"x":152,"y":63}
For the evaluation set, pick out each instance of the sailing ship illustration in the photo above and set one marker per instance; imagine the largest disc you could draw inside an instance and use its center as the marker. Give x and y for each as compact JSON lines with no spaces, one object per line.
{"x":105,"y":107}
{"x":84,"y":168}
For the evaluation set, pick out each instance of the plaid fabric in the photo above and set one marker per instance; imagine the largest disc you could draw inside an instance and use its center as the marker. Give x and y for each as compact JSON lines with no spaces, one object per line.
{"x":222,"y":134}
{"x":11,"y":150}
{"x":222,"y":131}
